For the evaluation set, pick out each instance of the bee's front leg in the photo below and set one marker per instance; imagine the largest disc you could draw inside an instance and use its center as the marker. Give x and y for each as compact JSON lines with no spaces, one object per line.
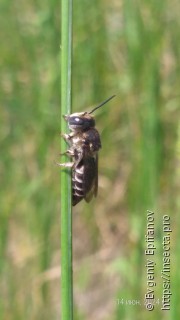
{"x":67,"y":137}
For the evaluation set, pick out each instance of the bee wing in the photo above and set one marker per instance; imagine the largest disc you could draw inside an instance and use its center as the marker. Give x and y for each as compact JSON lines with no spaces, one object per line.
{"x":90,"y":183}
{"x":96,"y":176}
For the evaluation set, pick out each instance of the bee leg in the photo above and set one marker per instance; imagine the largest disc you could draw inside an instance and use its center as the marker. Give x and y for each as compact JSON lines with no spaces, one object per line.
{"x":65,"y":165}
{"x":69,"y":153}
{"x":67,"y":137}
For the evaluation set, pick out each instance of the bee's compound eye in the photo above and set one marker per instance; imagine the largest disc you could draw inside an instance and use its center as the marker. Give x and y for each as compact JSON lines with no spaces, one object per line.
{"x":80,"y":122}
{"x":76,"y":121}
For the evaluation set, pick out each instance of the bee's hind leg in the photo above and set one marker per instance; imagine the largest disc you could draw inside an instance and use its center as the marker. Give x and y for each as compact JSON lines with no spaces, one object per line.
{"x":65,"y":165}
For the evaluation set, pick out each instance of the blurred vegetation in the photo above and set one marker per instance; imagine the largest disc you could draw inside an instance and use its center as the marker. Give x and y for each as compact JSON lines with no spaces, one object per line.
{"x":128,"y":48}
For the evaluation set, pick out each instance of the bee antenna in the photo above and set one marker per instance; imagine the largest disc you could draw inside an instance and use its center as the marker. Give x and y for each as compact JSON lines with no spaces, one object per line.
{"x":101,"y":104}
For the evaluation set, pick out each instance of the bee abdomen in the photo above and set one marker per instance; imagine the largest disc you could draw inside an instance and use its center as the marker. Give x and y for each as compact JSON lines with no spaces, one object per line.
{"x":77,"y":184}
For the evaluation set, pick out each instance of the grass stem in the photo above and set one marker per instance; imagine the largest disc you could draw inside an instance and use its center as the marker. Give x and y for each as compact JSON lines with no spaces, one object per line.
{"x":66,"y":208}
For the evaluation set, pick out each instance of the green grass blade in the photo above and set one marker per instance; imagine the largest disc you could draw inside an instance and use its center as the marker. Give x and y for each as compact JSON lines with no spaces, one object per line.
{"x":66,"y":211}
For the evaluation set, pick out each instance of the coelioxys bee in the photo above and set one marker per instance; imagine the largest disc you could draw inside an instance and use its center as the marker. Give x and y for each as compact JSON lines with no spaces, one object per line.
{"x":84,"y":143}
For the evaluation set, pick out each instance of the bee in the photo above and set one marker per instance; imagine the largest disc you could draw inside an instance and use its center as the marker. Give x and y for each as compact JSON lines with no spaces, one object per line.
{"x":84,"y":143}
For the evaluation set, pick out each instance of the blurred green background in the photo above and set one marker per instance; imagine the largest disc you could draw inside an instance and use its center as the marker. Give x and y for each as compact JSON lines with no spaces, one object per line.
{"x":128,"y":48}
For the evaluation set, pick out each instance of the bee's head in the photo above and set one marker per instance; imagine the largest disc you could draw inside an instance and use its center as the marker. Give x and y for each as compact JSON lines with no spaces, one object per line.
{"x":83,"y":120}
{"x":80,"y":121}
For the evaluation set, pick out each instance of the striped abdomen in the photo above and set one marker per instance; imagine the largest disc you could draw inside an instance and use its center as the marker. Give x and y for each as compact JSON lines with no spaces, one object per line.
{"x":84,"y":180}
{"x":77,"y":184}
